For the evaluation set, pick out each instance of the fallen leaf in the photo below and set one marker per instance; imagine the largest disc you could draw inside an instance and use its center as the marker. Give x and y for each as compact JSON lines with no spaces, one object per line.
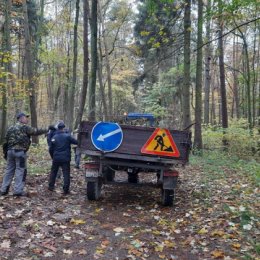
{"x":49,"y":246}
{"x":77,"y":221}
{"x":203,"y":231}
{"x":242,"y":208}
{"x":48,"y":254}
{"x":169,"y":244}
{"x":63,"y":227}
{"x":68,"y":238}
{"x":50,"y":223}
{"x":67,"y":252}
{"x":105,"y":242}
{"x":37,"y":251}
{"x":119,"y":229}
{"x":247,"y":227}
{"x":136,"y":243}
{"x":82,"y":252}
{"x":100,"y":251}
{"x":217,"y":254}
{"x":79,"y":232}
{"x":219,"y":233}
{"x":5,"y":244}
{"x":236,"y":245}
{"x":159,"y":248}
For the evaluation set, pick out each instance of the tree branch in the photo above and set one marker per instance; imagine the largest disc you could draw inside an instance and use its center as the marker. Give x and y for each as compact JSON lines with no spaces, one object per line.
{"x":238,"y":26}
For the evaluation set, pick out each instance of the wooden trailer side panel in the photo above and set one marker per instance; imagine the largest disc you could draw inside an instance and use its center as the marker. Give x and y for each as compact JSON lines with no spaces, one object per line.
{"x":134,"y":138}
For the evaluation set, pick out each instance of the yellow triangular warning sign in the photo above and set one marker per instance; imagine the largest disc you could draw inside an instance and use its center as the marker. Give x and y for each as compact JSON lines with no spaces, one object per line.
{"x":161,"y":143}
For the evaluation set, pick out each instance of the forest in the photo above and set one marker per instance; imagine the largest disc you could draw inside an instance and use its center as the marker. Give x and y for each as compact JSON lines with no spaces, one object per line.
{"x":188,"y":63}
{"x":194,"y":65}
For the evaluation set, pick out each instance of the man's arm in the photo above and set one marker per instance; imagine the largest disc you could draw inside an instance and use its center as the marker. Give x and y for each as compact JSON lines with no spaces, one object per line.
{"x":36,"y":131}
{"x":73,"y":140}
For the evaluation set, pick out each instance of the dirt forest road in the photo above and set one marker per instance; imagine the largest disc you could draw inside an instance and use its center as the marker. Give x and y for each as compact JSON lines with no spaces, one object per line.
{"x":128,"y":222}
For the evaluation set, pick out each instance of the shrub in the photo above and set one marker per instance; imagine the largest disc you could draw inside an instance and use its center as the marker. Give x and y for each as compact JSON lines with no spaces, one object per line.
{"x":242,"y":142}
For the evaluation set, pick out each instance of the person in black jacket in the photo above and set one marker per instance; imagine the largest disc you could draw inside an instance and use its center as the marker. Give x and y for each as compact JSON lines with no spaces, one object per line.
{"x":60,"y":151}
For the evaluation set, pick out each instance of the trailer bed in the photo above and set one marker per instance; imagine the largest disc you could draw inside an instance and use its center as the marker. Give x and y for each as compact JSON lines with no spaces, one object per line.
{"x":134,"y":138}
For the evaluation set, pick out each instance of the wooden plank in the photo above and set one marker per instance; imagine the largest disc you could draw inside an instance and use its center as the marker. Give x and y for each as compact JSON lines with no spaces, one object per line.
{"x":134,"y":139}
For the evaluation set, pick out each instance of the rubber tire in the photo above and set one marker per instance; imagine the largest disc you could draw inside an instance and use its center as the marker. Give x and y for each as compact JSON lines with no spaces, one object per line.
{"x":133,"y":177}
{"x":110,"y":174}
{"x":93,"y":190}
{"x":167,"y":197}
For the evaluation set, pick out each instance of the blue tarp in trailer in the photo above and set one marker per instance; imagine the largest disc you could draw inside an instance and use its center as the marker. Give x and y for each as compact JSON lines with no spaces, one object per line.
{"x":141,"y":115}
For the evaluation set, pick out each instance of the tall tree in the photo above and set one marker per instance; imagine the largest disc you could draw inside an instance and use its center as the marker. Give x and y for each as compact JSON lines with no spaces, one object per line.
{"x":107,"y":62}
{"x":247,"y":76}
{"x":222,"y":67}
{"x":6,"y":63}
{"x":235,"y":78}
{"x":208,"y":58}
{"x":84,"y":88}
{"x":74,"y":68}
{"x":29,"y":66}
{"x":198,"y":105}
{"x":94,"y":61}
{"x":186,"y":80}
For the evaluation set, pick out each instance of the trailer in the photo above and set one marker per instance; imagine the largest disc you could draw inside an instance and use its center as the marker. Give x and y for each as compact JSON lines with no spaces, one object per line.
{"x":111,"y":147}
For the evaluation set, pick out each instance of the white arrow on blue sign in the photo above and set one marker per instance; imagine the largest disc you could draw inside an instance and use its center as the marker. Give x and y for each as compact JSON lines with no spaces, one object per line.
{"x":106,"y":136}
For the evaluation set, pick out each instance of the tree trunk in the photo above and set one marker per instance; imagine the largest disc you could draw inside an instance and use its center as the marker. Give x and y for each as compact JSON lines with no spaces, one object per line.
{"x":7,"y":65}
{"x":74,"y":69}
{"x":109,"y":81}
{"x":30,"y":73}
{"x":213,"y":105}
{"x":83,"y":93}
{"x":235,"y":79}
{"x":101,"y":84}
{"x":258,"y":83}
{"x":186,"y":80}
{"x":247,"y":76}
{"x":222,"y":71}
{"x":94,"y":61}
{"x":207,"y":65}
{"x":67,"y":84}
{"x":198,"y":106}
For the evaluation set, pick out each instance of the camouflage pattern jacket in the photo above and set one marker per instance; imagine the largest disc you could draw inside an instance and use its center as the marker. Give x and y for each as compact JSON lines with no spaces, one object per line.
{"x":18,"y":136}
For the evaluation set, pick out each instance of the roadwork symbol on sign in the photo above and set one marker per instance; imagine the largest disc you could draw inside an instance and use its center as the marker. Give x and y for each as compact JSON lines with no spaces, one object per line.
{"x":161,"y":143}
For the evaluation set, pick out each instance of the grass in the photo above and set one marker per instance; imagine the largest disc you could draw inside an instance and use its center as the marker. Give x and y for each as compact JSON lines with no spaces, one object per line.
{"x":216,"y":163}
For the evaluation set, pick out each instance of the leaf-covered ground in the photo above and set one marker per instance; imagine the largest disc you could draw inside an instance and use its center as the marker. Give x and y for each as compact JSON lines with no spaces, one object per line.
{"x":215,"y":216}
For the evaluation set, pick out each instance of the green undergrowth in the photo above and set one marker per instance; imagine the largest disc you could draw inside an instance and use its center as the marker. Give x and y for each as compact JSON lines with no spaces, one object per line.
{"x":220,"y":163}
{"x":39,"y":160}
{"x":241,"y":142}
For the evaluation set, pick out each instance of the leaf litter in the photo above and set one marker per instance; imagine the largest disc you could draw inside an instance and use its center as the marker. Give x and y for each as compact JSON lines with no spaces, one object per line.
{"x":214,"y":217}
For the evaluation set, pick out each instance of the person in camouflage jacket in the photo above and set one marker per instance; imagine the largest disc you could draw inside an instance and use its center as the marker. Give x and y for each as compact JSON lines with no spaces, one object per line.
{"x":18,"y":142}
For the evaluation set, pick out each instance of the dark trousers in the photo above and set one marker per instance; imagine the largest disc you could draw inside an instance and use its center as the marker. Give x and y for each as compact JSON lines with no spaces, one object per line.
{"x":65,"y":166}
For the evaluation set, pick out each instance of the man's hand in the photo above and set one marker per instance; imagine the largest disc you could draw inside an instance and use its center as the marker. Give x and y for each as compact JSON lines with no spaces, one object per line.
{"x":51,"y":127}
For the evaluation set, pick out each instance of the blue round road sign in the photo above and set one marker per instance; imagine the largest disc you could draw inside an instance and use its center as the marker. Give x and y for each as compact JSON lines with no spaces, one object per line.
{"x":106,"y":136}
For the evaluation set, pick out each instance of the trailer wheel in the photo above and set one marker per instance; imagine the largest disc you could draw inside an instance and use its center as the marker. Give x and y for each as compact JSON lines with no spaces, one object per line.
{"x":110,"y":174}
{"x":167,"y":197}
{"x":133,"y":177}
{"x":93,"y":190}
